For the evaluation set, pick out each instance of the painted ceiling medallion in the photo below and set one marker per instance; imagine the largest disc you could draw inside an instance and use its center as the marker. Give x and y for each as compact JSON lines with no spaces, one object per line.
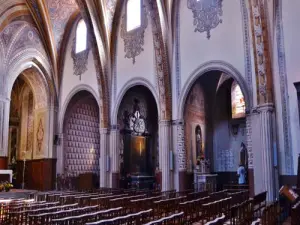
{"x":80,"y":59}
{"x":134,"y":39}
{"x":206,"y":14}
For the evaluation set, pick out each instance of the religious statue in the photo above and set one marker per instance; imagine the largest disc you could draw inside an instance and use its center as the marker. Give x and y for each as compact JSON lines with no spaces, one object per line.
{"x":243,"y":155}
{"x":199,"y":150}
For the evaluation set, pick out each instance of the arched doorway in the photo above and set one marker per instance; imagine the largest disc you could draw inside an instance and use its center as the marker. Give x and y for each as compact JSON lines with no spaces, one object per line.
{"x":215,"y":127}
{"x":81,"y":142}
{"x":138,"y":122}
{"x":29,"y":136}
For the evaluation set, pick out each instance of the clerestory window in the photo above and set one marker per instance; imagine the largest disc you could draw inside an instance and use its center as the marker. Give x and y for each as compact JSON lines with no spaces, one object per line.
{"x":81,"y":37}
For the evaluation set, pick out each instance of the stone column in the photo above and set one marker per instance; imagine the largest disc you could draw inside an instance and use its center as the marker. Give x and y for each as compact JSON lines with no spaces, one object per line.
{"x":180,"y":155}
{"x":60,"y":154}
{"x":250,"y":153}
{"x":103,"y":156}
{"x":4,"y":125}
{"x":114,"y":155}
{"x":164,"y":151}
{"x":266,"y":142}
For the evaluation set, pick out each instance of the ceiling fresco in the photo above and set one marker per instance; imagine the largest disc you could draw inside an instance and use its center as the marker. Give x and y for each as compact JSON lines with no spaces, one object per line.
{"x":60,"y":13}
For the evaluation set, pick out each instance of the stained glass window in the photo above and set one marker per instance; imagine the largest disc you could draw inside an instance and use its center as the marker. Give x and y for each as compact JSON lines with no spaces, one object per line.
{"x":237,"y":101}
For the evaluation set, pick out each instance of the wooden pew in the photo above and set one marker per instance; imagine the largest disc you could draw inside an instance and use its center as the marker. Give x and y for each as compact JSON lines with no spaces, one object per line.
{"x":174,"y":219}
{"x":46,"y":218}
{"x":295,"y":214}
{"x":144,"y":203}
{"x":218,"y":195}
{"x":103,"y":202}
{"x":167,"y":206}
{"x":193,"y":209}
{"x":196,"y":195}
{"x":116,"y":202}
{"x":238,"y":197}
{"x":215,"y":209}
{"x":134,"y":218}
{"x":90,"y":217}
{"x":218,"y":221}
{"x":22,"y":217}
{"x":242,"y":214}
{"x":271,"y":214}
{"x":15,"y":211}
{"x":259,"y":203}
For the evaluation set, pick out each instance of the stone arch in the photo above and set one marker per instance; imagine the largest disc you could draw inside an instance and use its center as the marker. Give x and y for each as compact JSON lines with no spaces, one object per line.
{"x":131,"y":83}
{"x":160,"y":35}
{"x":75,"y":90}
{"x":213,"y":66}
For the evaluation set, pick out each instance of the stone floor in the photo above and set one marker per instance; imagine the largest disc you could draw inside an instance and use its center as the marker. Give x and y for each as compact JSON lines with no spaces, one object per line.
{"x":16,"y":193}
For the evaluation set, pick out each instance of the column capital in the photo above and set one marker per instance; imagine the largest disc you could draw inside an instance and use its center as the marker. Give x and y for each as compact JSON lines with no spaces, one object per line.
{"x":104,"y":131}
{"x":164,"y":122}
{"x":178,"y":122}
{"x":269,"y":107}
{"x":114,"y":127}
{"x":4,"y":99}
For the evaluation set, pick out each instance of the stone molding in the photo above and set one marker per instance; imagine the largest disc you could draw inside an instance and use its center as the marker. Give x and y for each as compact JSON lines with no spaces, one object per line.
{"x":287,"y":136}
{"x":262,"y":61}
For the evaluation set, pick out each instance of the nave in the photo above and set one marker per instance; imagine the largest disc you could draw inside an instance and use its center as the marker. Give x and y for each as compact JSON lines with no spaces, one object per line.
{"x":119,"y":207}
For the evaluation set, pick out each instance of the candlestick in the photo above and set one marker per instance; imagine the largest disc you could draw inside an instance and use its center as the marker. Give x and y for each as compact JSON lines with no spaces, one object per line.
{"x":140,"y":148}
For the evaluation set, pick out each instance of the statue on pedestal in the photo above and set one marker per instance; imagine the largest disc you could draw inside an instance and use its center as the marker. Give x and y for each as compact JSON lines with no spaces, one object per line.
{"x":243,"y":155}
{"x":199,"y":150}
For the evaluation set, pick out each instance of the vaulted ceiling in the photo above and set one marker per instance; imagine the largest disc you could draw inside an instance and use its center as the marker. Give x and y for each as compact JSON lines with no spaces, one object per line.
{"x":55,"y":18}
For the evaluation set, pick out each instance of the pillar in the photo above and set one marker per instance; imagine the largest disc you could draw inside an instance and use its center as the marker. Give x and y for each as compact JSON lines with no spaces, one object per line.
{"x":4,"y":130}
{"x":180,"y":155}
{"x":266,"y":142}
{"x":60,"y":154}
{"x":164,"y":151}
{"x":263,"y":115}
{"x":103,"y":157}
{"x":114,"y":155}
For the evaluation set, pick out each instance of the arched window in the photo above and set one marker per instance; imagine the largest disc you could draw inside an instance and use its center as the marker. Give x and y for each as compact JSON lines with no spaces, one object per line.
{"x":81,"y":37}
{"x":133,"y":15}
{"x":237,"y":101}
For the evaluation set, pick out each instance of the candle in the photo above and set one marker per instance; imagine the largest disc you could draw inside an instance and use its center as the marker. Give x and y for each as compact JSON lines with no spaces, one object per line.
{"x":140,"y":148}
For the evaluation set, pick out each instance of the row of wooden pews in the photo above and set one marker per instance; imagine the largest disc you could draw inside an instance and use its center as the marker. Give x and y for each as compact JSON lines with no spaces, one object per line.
{"x":112,"y":206}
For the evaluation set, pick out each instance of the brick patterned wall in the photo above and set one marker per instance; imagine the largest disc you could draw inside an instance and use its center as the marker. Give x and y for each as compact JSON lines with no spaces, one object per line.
{"x":81,"y":137}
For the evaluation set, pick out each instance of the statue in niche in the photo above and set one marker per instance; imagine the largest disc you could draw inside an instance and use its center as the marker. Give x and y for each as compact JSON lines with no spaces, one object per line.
{"x":199,"y":150}
{"x":243,"y":155}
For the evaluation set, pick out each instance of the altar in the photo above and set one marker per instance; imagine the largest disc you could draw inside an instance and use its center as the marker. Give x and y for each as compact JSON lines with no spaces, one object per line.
{"x":142,"y":182}
{"x":203,"y":179}
{"x":205,"y":182}
{"x":6,"y":175}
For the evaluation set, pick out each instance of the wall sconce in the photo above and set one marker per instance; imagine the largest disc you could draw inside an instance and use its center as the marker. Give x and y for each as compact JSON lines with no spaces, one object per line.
{"x":234,"y":129}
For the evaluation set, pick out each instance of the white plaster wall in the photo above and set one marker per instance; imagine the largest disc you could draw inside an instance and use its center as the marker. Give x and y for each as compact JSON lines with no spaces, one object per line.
{"x":225,"y":43}
{"x":290,"y":16}
{"x":70,"y":81}
{"x":144,"y":66}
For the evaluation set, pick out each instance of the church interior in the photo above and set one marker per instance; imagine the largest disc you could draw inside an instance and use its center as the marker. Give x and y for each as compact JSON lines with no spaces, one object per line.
{"x":149,"y":112}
